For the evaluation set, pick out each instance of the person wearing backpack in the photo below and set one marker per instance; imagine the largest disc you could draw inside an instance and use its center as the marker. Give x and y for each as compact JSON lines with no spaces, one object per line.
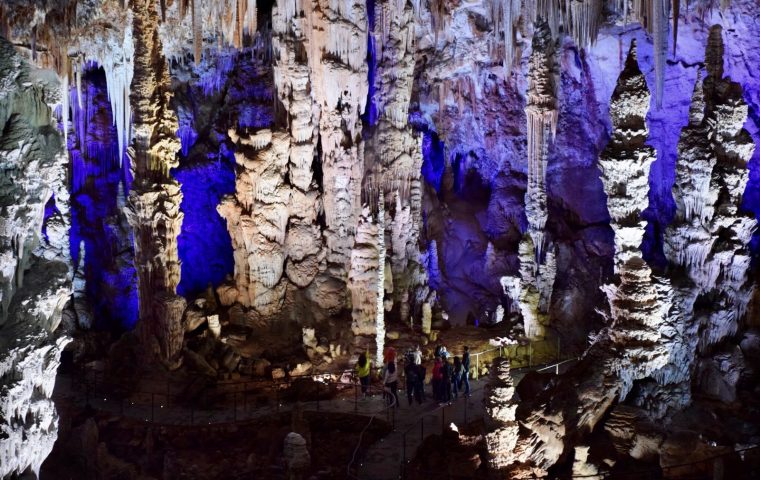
{"x":456,"y":379}
{"x":390,"y":380}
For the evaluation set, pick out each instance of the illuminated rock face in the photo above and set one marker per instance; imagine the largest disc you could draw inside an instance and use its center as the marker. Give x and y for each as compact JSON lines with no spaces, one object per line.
{"x":154,"y":199}
{"x":257,"y":219}
{"x":708,"y":239}
{"x":532,"y":291}
{"x":36,"y":273}
{"x":630,"y":348}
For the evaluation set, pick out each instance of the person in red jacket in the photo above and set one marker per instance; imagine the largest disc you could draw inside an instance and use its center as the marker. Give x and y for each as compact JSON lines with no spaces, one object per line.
{"x":437,"y":379}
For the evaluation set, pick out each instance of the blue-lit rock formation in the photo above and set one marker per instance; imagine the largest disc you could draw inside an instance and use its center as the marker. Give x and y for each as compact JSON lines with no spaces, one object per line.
{"x":108,"y":297}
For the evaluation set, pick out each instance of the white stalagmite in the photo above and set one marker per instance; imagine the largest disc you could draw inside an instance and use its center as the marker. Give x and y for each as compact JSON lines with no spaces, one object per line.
{"x":380,"y":294}
{"x":257,"y":218}
{"x":393,"y":157}
{"x":709,"y":237}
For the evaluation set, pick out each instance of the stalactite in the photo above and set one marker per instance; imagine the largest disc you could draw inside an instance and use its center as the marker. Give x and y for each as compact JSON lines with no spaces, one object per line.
{"x":583,"y":21}
{"x":505,"y":15}
{"x":542,"y":113}
{"x":197,"y":31}
{"x":661,"y":14}
{"x":65,"y":100}
{"x":676,"y":14}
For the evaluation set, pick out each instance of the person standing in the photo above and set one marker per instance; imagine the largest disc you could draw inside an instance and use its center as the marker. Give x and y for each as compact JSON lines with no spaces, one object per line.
{"x":410,"y":372}
{"x":466,"y":373}
{"x":456,"y":379}
{"x":419,"y":388}
{"x":446,"y":374}
{"x":390,"y":380}
{"x":437,"y":378}
{"x":363,"y":368}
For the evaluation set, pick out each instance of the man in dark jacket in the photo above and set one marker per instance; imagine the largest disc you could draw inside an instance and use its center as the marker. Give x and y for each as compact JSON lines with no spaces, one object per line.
{"x":466,"y":374}
{"x":410,"y":372}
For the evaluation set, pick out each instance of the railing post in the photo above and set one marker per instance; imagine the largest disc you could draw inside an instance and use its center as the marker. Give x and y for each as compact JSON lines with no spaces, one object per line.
{"x":443,"y":418}
{"x":477,"y":366}
{"x":356,"y":398}
{"x":318,"y":384}
{"x":403,"y":457}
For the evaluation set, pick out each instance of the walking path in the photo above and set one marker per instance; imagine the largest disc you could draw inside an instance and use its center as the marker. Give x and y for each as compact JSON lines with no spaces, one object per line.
{"x":385,"y":459}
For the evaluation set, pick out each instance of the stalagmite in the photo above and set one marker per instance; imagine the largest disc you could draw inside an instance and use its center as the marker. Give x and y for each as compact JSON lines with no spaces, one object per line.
{"x":625,"y":164}
{"x":501,"y":423}
{"x":380,"y":294}
{"x":364,"y":276}
{"x":709,"y":236}
{"x":632,"y":347}
{"x":257,"y":217}
{"x":393,"y":157}
{"x":154,"y":199}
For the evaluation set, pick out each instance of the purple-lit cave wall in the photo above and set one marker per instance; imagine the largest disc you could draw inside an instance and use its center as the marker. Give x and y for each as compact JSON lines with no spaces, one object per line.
{"x":97,"y":221}
{"x":205,"y":248}
{"x":742,"y":64}
{"x":228,"y":90}
{"x":434,"y":162}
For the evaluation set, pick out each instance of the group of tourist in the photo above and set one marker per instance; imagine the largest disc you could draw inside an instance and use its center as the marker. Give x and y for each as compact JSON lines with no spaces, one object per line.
{"x":449,"y":377}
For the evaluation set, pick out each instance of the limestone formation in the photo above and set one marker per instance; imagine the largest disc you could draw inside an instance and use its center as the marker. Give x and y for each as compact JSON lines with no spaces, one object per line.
{"x":257,"y":218}
{"x":532,"y":291}
{"x":36,"y":267}
{"x":708,"y":239}
{"x":501,"y":423}
{"x":154,"y":199}
{"x":631,"y":348}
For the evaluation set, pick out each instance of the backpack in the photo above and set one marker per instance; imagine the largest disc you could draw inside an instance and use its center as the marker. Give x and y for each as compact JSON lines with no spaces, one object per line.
{"x":446,"y":371}
{"x":411,"y":373}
